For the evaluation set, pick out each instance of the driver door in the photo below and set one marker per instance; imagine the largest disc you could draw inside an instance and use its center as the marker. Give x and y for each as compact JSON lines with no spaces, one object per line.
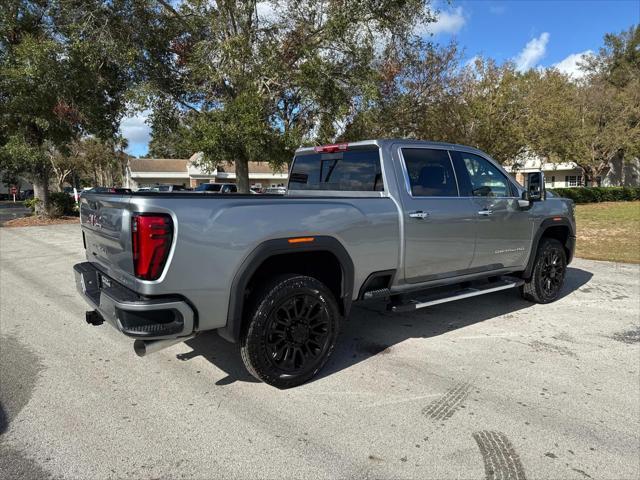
{"x":503,"y":229}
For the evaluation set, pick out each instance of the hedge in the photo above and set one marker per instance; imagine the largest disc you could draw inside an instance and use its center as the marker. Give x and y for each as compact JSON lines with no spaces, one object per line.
{"x":598,"y":194}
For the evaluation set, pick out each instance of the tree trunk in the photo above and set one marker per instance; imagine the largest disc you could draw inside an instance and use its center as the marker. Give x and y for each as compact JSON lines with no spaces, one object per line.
{"x":242,"y":175}
{"x":41,"y":191}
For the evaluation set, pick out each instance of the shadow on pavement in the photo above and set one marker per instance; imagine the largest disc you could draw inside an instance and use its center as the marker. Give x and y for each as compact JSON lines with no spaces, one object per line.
{"x":371,"y":330}
{"x":19,"y":371}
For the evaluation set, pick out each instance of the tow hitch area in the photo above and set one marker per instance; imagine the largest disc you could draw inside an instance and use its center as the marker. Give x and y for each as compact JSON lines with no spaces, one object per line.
{"x":93,"y":318}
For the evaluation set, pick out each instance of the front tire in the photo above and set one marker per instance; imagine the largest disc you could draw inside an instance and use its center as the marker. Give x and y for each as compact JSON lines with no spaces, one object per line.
{"x":548,"y":274}
{"x":293,"y":324}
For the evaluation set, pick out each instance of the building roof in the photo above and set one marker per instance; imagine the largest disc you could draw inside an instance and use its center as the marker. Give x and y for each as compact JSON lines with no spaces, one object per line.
{"x":158,"y":164}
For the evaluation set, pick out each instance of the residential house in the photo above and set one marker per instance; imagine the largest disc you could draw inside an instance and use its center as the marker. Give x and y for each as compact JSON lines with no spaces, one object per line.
{"x":569,"y":174}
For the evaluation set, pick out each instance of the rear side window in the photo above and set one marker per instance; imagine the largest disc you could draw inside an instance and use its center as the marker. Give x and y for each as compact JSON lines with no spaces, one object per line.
{"x":350,"y":171}
{"x":430,"y":172}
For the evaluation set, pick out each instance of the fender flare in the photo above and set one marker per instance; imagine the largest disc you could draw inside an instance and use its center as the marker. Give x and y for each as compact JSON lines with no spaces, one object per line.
{"x":269,"y":248}
{"x":544,"y":226}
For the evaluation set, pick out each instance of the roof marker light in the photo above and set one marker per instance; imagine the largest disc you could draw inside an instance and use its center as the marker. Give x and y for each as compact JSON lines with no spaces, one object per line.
{"x":301,"y":240}
{"x":334,"y":147}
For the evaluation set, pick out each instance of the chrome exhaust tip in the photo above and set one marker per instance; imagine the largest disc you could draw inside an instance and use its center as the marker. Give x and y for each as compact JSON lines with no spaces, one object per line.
{"x":145,"y":347}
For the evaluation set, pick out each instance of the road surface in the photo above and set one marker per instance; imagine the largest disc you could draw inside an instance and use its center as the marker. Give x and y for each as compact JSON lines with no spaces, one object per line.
{"x":491,"y":387}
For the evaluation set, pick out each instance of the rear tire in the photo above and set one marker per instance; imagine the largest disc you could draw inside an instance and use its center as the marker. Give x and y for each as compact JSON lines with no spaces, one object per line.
{"x":293,"y":324}
{"x":548,"y":274}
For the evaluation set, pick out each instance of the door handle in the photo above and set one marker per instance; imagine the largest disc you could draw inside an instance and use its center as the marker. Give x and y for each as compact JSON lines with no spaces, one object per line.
{"x":485,"y":212}
{"x":419,"y":214}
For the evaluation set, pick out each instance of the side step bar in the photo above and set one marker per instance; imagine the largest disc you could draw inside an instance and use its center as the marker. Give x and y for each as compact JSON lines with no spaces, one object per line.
{"x":444,"y":297}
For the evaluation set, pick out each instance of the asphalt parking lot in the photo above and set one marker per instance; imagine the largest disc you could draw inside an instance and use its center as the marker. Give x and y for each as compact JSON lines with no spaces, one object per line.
{"x":10,"y":210}
{"x":491,"y":387}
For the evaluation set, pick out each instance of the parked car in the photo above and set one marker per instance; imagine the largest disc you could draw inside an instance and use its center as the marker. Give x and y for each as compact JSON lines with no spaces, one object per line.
{"x":119,"y":190}
{"x":26,"y":194}
{"x":217,"y":187}
{"x":169,"y":188}
{"x":276,"y":190}
{"x":415,"y":223}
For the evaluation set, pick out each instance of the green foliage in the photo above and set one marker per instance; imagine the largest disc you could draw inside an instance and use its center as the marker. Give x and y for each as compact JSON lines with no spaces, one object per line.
{"x":32,"y":203}
{"x":255,"y":86}
{"x":66,"y":73}
{"x":598,"y":194}
{"x":61,"y":204}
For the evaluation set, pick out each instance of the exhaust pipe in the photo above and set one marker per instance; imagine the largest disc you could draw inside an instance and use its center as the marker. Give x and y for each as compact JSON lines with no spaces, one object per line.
{"x":145,"y":347}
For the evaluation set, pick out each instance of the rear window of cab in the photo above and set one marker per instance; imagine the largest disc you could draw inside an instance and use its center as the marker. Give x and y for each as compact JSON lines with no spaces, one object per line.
{"x":351,"y":171}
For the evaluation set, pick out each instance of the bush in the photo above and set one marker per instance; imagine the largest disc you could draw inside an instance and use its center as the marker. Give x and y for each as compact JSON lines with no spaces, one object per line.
{"x":598,"y":194}
{"x":61,"y":204}
{"x":31,"y":203}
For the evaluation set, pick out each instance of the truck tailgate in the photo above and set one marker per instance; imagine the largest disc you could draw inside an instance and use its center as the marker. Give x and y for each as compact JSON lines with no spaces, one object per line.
{"x":106,"y":228}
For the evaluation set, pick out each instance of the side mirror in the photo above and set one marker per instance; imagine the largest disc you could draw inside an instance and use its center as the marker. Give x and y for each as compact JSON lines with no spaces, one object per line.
{"x":525,"y":200}
{"x":535,"y":186}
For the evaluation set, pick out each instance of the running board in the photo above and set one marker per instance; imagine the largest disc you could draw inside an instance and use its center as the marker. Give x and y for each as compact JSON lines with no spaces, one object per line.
{"x":438,"y":298}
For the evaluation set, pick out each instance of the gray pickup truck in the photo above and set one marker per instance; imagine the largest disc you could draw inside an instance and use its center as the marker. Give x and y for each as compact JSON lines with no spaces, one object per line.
{"x":416,"y":223}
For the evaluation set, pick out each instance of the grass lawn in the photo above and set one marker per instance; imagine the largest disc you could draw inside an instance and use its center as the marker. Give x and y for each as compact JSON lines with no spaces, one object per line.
{"x":609,"y":231}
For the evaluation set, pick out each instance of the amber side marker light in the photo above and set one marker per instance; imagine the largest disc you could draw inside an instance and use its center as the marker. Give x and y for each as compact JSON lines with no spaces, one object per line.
{"x":301,"y":240}
{"x":557,"y":219}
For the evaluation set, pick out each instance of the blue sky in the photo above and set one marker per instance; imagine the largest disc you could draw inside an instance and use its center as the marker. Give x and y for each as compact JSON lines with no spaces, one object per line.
{"x":530,"y":33}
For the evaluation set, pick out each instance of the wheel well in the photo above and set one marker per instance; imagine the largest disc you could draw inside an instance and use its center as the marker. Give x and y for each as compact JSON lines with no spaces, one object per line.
{"x":560,"y":233}
{"x":322,"y":265}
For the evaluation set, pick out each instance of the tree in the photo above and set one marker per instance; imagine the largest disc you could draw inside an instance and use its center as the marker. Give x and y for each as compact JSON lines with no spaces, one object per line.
{"x":595,"y":120}
{"x":64,"y":75}
{"x":254,"y":80}
{"x":484,"y":108}
{"x":427,"y":94}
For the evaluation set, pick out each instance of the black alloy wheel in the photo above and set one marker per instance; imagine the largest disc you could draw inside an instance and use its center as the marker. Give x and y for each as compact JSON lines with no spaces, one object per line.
{"x":297,"y":333}
{"x":291,"y":330}
{"x":548,"y":274}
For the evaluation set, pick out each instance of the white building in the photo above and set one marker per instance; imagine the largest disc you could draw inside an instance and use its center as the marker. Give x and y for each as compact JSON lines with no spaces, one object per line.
{"x":569,"y":174}
{"x":151,"y":171}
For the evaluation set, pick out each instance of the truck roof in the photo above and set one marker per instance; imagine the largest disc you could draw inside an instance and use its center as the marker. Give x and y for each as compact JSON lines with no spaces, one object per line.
{"x":383,"y":142}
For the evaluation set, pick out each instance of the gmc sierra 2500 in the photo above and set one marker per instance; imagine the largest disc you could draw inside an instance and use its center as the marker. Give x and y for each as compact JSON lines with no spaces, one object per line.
{"x":416,"y":222}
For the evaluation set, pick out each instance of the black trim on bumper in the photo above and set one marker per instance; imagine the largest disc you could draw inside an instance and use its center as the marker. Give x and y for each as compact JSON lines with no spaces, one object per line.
{"x":132,"y":314}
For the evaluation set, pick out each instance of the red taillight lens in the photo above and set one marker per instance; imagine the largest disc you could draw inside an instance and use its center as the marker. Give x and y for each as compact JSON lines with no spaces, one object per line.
{"x":151,"y":237}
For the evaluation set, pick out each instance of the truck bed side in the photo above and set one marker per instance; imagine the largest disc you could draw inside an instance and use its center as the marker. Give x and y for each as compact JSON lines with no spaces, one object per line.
{"x":213,"y":235}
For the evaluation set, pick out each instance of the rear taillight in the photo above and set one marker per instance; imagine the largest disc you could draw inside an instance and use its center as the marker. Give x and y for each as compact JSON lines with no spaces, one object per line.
{"x":151,"y":236}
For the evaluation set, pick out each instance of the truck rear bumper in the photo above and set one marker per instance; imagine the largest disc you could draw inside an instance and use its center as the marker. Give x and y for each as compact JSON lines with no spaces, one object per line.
{"x":132,"y":314}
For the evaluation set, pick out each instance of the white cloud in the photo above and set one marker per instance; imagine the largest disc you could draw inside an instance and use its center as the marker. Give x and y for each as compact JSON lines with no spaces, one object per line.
{"x":450,"y":21}
{"x":532,"y":53}
{"x":570,"y":64}
{"x":135,"y":129}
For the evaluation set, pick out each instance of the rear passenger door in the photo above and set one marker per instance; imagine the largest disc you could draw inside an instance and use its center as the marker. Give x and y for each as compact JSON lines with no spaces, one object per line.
{"x":503,"y":229}
{"x":439,"y":230}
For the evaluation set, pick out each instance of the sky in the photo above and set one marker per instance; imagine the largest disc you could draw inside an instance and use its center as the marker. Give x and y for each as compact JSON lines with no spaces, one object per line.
{"x":532,"y":34}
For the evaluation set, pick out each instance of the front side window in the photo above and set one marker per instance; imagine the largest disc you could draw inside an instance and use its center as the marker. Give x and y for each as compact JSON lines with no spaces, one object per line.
{"x":430,"y":172}
{"x":353,"y":171}
{"x":486,"y":180}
